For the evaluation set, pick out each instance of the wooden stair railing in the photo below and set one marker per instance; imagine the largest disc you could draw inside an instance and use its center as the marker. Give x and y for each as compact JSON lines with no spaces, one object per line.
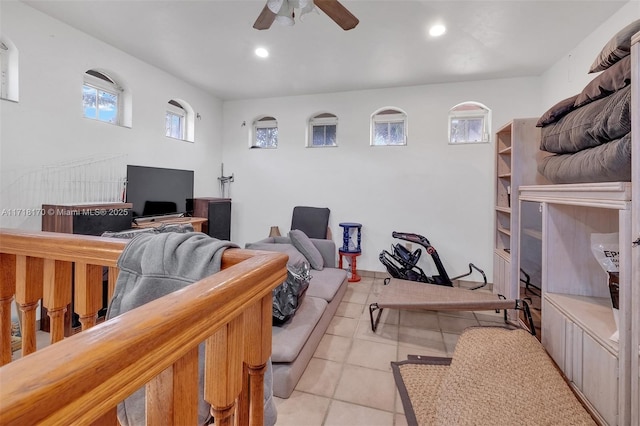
{"x":81,"y":379}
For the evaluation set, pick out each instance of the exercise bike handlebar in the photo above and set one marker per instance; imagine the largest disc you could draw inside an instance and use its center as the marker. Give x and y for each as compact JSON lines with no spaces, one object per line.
{"x":414,"y":238}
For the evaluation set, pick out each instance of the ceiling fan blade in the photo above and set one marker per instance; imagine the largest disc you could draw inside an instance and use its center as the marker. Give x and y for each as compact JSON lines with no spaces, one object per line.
{"x":336,"y":11}
{"x":265,"y":19}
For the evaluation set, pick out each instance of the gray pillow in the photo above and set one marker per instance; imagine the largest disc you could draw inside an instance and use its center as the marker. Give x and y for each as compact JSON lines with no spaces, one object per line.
{"x":617,"y":48}
{"x":305,"y":246}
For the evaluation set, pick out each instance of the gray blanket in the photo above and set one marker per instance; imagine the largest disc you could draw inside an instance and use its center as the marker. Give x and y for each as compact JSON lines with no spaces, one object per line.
{"x":593,"y":124}
{"x":610,"y":162}
{"x":152,"y":266}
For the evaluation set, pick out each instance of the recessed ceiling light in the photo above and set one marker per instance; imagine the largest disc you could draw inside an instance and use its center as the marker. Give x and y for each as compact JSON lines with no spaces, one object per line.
{"x":262,"y":52}
{"x":437,"y":30}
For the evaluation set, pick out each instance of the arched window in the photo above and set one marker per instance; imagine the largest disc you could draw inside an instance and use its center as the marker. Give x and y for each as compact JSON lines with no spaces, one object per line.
{"x":323,"y":130}
{"x":265,"y":133}
{"x":179,"y":120}
{"x":469,"y":122}
{"x":8,"y":70}
{"x":102,"y":97}
{"x":388,"y":127}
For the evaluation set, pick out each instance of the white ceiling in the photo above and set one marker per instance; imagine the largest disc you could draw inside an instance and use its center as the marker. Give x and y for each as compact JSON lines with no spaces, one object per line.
{"x":210,"y":43}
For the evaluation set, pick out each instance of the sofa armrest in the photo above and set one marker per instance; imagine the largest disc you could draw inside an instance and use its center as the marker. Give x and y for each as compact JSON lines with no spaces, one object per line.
{"x":327,"y":249}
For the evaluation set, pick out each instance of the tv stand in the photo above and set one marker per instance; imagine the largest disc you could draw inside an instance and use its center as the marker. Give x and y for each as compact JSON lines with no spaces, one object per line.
{"x":196,"y":222}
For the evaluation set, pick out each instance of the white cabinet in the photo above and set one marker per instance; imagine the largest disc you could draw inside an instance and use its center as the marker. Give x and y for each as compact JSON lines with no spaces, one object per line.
{"x":577,"y":315}
{"x":635,"y":250}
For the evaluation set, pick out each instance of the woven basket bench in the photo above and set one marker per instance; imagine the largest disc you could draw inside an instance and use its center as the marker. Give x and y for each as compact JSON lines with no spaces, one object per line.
{"x":497,"y":376}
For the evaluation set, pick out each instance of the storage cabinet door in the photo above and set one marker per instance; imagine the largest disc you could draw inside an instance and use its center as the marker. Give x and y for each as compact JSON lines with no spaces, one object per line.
{"x":554,"y":326}
{"x":600,"y":379}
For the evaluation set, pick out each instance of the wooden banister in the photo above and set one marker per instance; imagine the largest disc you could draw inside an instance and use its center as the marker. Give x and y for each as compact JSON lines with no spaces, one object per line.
{"x":82,"y":378}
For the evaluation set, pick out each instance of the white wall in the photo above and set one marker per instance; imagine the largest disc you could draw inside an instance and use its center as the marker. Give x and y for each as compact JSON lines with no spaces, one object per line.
{"x":429,"y":187}
{"x":571,"y":73}
{"x":46,"y":128}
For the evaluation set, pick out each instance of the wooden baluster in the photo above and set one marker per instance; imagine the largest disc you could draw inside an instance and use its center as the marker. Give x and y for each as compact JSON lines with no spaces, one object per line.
{"x":56,"y":295}
{"x":7,"y":290}
{"x":88,"y":293}
{"x":172,"y":396}
{"x":223,"y":370}
{"x":257,"y":351}
{"x":29,"y":275}
{"x":111,"y":281}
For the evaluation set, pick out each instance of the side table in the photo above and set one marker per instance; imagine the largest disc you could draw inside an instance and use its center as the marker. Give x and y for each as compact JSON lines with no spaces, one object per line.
{"x":351,"y":260}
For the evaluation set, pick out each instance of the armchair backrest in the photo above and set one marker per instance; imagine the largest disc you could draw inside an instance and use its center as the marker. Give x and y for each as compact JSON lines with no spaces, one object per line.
{"x":313,"y":221}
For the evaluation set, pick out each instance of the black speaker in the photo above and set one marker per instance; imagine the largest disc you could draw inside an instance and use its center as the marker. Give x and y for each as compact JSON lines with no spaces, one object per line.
{"x":219,"y":220}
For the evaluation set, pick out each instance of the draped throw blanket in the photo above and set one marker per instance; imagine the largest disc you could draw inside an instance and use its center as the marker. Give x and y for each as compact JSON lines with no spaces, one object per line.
{"x":152,"y":266}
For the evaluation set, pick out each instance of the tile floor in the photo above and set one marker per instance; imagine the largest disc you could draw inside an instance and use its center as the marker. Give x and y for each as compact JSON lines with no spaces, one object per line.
{"x":349,"y":381}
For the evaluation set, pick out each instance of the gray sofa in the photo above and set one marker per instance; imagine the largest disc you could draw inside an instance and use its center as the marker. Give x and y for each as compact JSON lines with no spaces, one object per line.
{"x":295,"y":342}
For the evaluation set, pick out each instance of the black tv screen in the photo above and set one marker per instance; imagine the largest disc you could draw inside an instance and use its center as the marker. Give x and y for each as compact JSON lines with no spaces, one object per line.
{"x":156,"y":191}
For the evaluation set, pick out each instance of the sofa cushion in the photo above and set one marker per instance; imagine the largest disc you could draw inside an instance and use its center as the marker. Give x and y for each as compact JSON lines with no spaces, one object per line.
{"x":295,"y":257}
{"x":289,"y":338}
{"x":305,"y":246}
{"x":326,"y":283}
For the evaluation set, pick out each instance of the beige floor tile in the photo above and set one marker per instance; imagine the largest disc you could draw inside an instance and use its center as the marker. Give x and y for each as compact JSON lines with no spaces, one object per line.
{"x":301,"y":409}
{"x":366,"y":353}
{"x":385,"y":332}
{"x":450,"y":340}
{"x":350,"y":310}
{"x":345,"y":414}
{"x":342,"y":326}
{"x":368,"y":387}
{"x":400,"y":420}
{"x":405,"y":350}
{"x":451,"y":324}
{"x":354,"y":296}
{"x":333,"y":348}
{"x":458,"y":314}
{"x":427,"y":340}
{"x":320,"y":377}
{"x":419,"y":319}
{"x":490,"y":316}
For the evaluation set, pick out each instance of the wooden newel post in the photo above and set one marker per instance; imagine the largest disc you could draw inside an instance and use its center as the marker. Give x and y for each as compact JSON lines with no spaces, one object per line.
{"x":223,"y":370}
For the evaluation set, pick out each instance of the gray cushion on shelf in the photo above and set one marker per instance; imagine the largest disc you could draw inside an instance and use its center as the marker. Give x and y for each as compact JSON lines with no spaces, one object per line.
{"x":305,"y":246}
{"x":617,"y":48}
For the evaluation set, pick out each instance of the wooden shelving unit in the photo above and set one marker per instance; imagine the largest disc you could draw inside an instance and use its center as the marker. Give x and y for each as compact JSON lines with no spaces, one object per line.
{"x":516,"y":151}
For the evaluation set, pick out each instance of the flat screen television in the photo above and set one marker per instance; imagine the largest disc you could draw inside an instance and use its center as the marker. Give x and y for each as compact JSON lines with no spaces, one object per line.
{"x":155,"y":191}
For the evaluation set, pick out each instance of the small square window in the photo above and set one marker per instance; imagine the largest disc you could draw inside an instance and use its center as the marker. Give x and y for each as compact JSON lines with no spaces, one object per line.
{"x":265,"y":133}
{"x":323,"y":130}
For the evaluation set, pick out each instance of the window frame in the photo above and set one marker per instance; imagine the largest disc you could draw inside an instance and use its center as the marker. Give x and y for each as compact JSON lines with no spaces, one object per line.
{"x":102,"y":85}
{"x":179,"y":112}
{"x":265,"y":122}
{"x":389,"y":116}
{"x":480,"y":112}
{"x":322,"y":120}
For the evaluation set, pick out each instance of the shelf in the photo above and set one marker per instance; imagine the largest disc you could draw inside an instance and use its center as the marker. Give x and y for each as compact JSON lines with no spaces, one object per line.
{"x":593,"y":314}
{"x":506,"y":151}
{"x":501,"y":209}
{"x":504,"y":231}
{"x":533,"y":233}
{"x":505,"y":176}
{"x":503,"y":253}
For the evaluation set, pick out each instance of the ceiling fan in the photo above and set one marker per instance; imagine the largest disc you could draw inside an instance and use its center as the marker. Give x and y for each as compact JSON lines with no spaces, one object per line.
{"x":283,"y":11}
